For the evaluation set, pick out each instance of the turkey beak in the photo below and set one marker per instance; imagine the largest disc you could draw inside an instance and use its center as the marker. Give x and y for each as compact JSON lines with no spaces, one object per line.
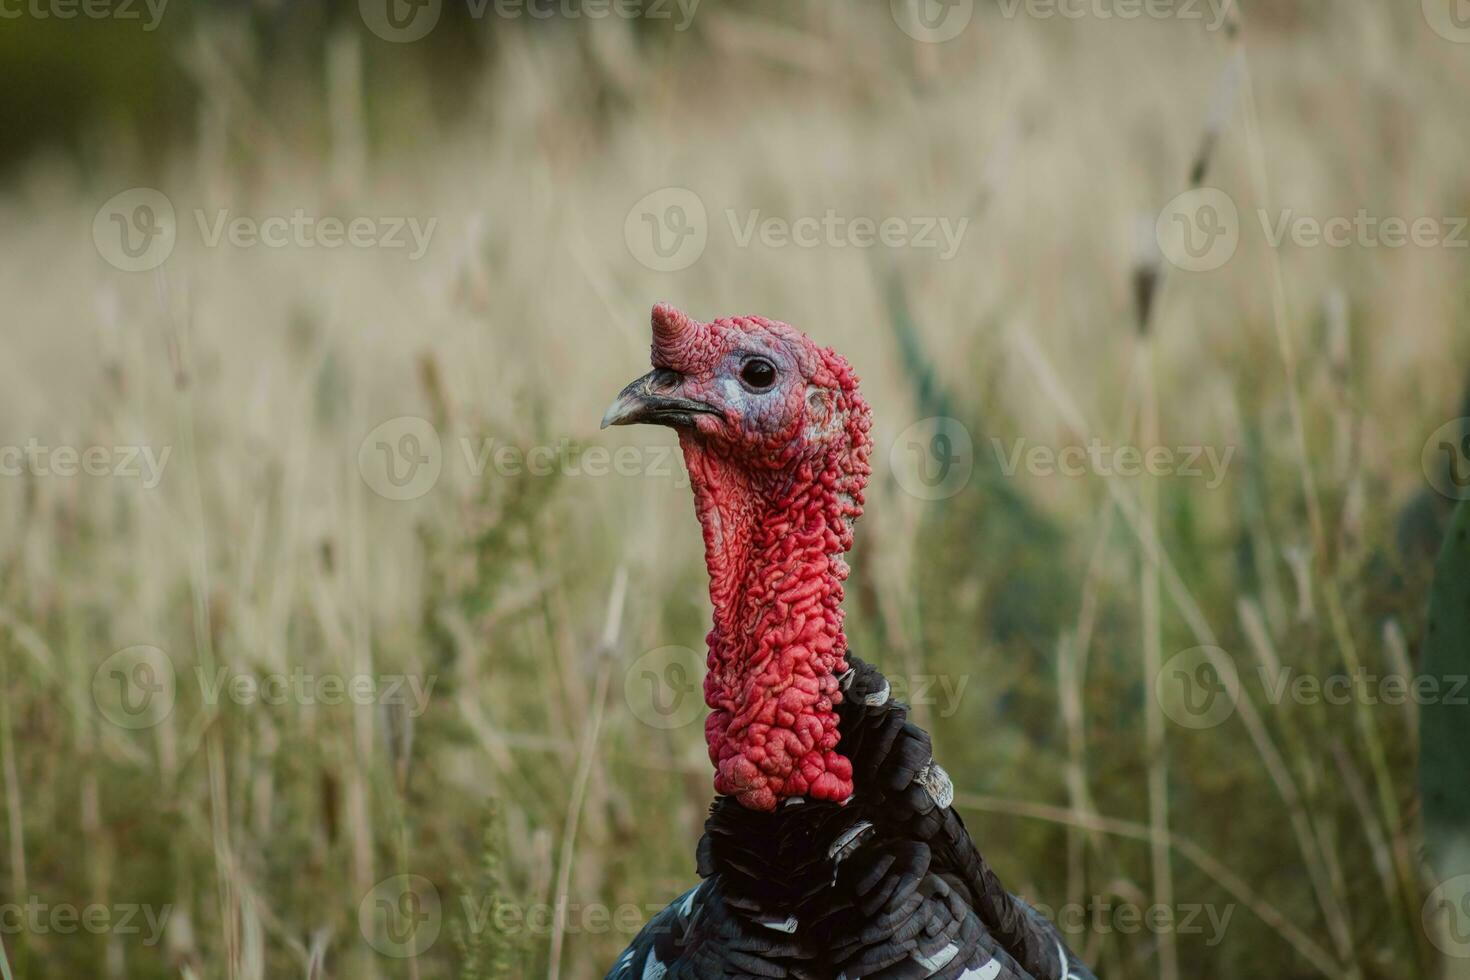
{"x":652,"y":399}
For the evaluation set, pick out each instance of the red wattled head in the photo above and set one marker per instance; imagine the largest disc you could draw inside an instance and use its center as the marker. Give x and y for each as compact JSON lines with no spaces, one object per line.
{"x":775,"y":435}
{"x":754,"y":388}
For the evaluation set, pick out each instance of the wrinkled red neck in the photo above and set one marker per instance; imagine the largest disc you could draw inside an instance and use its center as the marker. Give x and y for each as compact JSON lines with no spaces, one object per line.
{"x":774,"y":541}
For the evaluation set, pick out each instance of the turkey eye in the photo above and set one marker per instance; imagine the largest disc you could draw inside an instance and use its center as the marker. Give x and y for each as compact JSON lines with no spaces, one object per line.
{"x":759,"y":373}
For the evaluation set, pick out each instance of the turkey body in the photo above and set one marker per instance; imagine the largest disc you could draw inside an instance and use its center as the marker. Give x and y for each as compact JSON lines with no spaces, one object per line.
{"x":886,"y":886}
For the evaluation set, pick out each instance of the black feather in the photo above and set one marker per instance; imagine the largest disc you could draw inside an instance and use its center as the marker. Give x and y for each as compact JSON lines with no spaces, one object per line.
{"x":887,"y":886}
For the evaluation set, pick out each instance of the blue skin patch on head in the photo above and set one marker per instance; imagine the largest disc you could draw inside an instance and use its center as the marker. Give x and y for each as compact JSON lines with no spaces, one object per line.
{"x":760,"y":413}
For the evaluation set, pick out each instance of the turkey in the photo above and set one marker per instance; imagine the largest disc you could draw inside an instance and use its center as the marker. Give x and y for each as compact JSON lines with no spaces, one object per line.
{"x":831,"y":849}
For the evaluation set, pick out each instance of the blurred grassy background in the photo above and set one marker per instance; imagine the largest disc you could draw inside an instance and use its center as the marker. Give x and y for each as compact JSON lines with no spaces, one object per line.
{"x":265,"y":828}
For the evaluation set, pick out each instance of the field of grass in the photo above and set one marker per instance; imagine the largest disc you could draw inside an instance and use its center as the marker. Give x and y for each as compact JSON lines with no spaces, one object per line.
{"x":259,"y":717}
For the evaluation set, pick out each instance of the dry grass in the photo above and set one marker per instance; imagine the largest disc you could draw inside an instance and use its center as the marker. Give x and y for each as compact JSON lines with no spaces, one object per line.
{"x":263,"y":549}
